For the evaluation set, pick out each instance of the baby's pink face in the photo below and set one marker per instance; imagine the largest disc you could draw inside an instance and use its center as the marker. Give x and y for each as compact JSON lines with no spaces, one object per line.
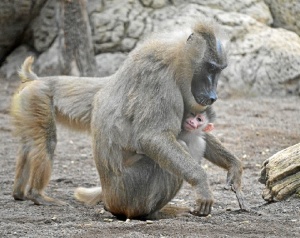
{"x":193,"y":122}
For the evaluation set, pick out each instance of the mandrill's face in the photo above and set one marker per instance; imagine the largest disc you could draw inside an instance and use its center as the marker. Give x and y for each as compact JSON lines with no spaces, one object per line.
{"x":206,"y":74}
{"x":193,"y":122}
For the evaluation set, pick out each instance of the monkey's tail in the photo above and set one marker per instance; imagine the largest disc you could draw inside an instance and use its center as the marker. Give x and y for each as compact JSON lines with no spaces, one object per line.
{"x":89,"y":196}
{"x":25,"y":73}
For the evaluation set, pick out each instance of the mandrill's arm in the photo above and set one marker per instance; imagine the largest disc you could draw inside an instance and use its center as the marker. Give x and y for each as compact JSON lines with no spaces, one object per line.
{"x":164,"y":149}
{"x":216,"y":153}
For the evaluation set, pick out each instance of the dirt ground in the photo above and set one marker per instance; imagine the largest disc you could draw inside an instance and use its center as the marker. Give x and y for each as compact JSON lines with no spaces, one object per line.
{"x":252,"y":128}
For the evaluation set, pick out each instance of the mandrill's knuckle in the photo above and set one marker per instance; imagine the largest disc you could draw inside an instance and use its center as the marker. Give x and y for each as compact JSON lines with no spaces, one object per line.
{"x":204,"y":202}
{"x":203,"y":207}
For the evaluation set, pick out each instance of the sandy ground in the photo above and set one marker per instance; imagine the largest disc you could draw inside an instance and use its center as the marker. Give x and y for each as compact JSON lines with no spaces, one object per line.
{"x":252,"y":128}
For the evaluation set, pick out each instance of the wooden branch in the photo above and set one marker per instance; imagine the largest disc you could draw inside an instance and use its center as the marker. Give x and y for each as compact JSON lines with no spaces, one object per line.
{"x":281,"y":174}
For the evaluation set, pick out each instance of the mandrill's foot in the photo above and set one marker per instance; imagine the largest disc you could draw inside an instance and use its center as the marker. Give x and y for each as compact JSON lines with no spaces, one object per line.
{"x":19,"y":196}
{"x":40,"y":199}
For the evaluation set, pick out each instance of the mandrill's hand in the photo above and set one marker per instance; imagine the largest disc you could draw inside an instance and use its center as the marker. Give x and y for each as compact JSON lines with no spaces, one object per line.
{"x":234,"y":179}
{"x":204,"y":204}
{"x":233,"y":182}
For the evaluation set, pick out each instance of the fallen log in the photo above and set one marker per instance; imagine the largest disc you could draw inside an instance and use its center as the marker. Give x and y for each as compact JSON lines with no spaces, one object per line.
{"x":281,"y":174}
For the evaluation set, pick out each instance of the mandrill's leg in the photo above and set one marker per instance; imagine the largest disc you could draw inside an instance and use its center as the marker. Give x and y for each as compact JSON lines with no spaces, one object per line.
{"x":33,"y":115}
{"x":40,"y":172}
{"x":140,"y":191}
{"x":22,"y":174}
{"x":41,"y":160}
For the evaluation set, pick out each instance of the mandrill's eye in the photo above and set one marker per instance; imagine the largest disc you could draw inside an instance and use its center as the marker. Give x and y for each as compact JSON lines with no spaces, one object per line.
{"x":190,"y":37}
{"x":211,"y":68}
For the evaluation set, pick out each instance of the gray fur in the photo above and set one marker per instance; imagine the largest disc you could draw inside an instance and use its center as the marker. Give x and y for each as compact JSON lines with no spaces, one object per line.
{"x":194,"y":141}
{"x":141,"y":109}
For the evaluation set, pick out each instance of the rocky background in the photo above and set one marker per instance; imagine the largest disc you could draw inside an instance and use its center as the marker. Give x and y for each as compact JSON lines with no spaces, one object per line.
{"x":263,"y":37}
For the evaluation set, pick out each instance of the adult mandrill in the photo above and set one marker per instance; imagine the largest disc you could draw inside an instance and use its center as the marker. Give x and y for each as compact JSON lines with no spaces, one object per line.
{"x":139,"y":108}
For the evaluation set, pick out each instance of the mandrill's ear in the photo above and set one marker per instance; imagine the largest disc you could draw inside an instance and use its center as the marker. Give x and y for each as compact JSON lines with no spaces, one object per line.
{"x":209,"y":127}
{"x":190,"y":37}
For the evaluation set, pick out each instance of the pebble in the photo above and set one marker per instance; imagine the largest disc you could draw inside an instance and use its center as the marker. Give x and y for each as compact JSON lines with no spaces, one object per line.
{"x":245,"y":222}
{"x":102,"y":211}
{"x":108,"y":219}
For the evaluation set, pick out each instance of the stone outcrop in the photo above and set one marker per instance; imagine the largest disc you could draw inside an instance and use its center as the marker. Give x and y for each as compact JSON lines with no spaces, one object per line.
{"x":286,"y":14}
{"x":15,"y":16}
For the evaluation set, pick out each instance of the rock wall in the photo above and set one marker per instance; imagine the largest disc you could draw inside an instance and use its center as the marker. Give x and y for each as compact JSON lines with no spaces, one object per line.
{"x":286,"y":14}
{"x":263,"y":37}
{"x":15,"y":16}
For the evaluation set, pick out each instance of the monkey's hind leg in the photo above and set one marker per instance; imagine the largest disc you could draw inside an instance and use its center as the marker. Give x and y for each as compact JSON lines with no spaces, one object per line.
{"x":41,"y":160}
{"x":40,"y":173}
{"x":22,"y":174}
{"x":33,"y":117}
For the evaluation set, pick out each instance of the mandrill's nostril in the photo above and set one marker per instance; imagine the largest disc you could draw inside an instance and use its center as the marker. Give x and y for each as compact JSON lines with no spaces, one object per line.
{"x":213,"y":97}
{"x":212,"y":100}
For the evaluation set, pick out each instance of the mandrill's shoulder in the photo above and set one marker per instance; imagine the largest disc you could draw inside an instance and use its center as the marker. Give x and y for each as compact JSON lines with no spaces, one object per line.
{"x":163,"y":47}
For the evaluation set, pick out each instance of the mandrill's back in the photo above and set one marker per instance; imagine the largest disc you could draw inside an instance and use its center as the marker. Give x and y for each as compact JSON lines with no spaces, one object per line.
{"x":73,"y":99}
{"x":68,"y":99}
